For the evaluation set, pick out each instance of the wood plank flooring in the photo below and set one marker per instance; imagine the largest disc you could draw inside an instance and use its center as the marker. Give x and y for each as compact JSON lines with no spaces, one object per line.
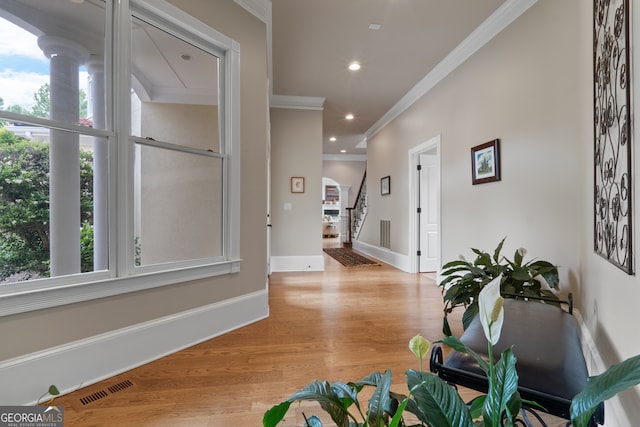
{"x":340,"y":324}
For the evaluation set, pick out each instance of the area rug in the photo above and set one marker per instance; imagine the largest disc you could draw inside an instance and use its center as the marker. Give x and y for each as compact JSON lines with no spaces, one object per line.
{"x":349,"y":258}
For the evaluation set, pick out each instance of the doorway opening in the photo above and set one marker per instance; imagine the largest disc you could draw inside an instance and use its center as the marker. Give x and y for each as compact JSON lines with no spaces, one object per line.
{"x":424,"y":206}
{"x":332,"y":210}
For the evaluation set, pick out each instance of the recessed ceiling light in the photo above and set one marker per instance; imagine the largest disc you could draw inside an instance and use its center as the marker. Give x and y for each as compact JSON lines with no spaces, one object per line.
{"x":349,"y":116}
{"x":343,"y":151}
{"x":354,"y":66}
{"x":332,"y":139}
{"x":375,"y":26}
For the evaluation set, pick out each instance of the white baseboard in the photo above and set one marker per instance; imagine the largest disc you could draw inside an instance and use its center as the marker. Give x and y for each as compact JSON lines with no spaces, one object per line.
{"x":297,"y":263}
{"x":614,"y":413}
{"x":399,"y":261}
{"x":85,"y":362}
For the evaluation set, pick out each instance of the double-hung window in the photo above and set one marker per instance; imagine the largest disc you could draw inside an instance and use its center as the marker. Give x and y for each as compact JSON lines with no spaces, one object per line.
{"x":119,"y":166}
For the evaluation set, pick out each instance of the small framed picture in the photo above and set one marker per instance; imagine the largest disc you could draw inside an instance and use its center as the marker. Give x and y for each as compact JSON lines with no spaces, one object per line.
{"x":485,"y":162}
{"x":385,"y":185}
{"x":297,"y":184}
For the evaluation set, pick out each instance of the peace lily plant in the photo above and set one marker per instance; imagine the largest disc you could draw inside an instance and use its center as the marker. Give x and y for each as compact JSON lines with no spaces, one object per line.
{"x":435,"y":403}
{"x":463,"y":280}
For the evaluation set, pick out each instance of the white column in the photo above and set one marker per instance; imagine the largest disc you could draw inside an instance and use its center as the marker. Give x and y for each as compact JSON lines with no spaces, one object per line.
{"x":64,"y":154}
{"x":100,"y":167}
{"x":344,"y":218}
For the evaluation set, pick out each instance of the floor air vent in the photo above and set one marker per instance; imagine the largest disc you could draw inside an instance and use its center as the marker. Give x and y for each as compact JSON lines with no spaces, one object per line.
{"x":93,"y":397}
{"x":120,"y":386}
{"x":101,"y":394}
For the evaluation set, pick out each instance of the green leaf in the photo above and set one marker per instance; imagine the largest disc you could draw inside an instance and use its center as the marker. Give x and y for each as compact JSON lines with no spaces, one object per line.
{"x":446,"y":329}
{"x":273,"y":416}
{"x":469,"y":314}
{"x":483,"y":259}
{"x":380,"y":402}
{"x":346,"y":393}
{"x":602,"y":387}
{"x":373,"y":379}
{"x":439,"y":403}
{"x":475,"y":406}
{"x":451,"y":277}
{"x":514,"y":404}
{"x":496,"y":253}
{"x":455,"y":263}
{"x":397,"y":418}
{"x":322,"y":392}
{"x":502,"y":387}
{"x":548,"y":271}
{"x":53,"y":390}
{"x":517,"y":258}
{"x":520,"y":274}
{"x":460,"y":347}
{"x":452,"y":292}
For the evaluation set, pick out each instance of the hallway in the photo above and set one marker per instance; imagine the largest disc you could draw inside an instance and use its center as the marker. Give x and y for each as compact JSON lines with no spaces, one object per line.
{"x":339,"y":324}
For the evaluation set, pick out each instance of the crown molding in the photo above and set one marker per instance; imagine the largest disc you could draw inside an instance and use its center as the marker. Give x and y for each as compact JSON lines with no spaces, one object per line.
{"x":492,"y":26}
{"x":345,"y":157}
{"x":297,"y":102}
{"x":261,"y":9}
{"x":362,"y":143}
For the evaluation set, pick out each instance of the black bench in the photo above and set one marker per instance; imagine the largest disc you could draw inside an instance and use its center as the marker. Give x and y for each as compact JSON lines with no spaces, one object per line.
{"x":546,"y":342}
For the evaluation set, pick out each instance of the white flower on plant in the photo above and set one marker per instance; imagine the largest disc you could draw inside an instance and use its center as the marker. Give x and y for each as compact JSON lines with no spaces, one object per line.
{"x":419,"y":346}
{"x":491,"y":310}
{"x":522,"y":252}
{"x":462,"y":258}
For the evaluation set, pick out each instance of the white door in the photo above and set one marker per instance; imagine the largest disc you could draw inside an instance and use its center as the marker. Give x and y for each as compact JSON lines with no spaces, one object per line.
{"x":429,"y":212}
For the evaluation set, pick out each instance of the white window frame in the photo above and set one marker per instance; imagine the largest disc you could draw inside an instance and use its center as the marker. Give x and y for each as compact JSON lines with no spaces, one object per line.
{"x":122,"y":276}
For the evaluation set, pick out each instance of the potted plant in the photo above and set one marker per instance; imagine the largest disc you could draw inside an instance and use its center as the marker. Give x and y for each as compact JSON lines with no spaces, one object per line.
{"x":436,"y":403}
{"x":464,"y":280}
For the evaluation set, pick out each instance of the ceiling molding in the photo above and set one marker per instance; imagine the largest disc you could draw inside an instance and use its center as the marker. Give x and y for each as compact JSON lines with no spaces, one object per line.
{"x":362,"y":143}
{"x":297,"y":102}
{"x":261,"y":9}
{"x":492,"y":26}
{"x":345,"y":157}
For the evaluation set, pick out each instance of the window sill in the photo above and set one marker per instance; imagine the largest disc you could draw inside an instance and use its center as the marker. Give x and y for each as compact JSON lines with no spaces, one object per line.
{"x":30,"y":299}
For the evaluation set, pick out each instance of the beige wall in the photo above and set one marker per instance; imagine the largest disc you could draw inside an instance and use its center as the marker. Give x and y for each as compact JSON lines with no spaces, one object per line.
{"x":507,"y":90}
{"x":296,"y":150}
{"x":609,"y":296}
{"x":531,"y":86}
{"x":29,"y":332}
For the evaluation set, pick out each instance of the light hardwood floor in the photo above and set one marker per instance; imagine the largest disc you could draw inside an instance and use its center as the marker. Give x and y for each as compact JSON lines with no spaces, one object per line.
{"x":340,"y":324}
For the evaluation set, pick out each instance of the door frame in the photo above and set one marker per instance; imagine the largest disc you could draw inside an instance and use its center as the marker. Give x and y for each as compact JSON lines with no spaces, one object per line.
{"x":414,"y":232}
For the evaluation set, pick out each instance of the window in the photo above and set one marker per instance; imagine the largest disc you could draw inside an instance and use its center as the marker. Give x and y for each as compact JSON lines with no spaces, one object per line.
{"x":179,"y":163}
{"x":114,"y":164}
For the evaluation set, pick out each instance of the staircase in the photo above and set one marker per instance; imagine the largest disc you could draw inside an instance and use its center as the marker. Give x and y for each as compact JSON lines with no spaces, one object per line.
{"x":358,"y":212}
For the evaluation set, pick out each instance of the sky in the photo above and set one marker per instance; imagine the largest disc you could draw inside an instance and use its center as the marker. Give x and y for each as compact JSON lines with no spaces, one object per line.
{"x":23,"y":66}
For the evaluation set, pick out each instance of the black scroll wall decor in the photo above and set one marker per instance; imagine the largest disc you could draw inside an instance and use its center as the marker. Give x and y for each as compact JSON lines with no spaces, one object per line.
{"x":612,"y":133}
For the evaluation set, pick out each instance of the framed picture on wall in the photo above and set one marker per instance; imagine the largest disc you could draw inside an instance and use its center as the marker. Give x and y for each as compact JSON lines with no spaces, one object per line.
{"x":297,"y":184}
{"x":385,"y":185}
{"x":485,"y":162}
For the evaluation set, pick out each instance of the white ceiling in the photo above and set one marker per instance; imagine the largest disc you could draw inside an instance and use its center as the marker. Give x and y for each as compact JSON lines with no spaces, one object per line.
{"x":313,"y":42}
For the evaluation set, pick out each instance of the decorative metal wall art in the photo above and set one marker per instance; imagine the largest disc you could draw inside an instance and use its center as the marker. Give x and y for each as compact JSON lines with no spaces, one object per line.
{"x":613,"y":236}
